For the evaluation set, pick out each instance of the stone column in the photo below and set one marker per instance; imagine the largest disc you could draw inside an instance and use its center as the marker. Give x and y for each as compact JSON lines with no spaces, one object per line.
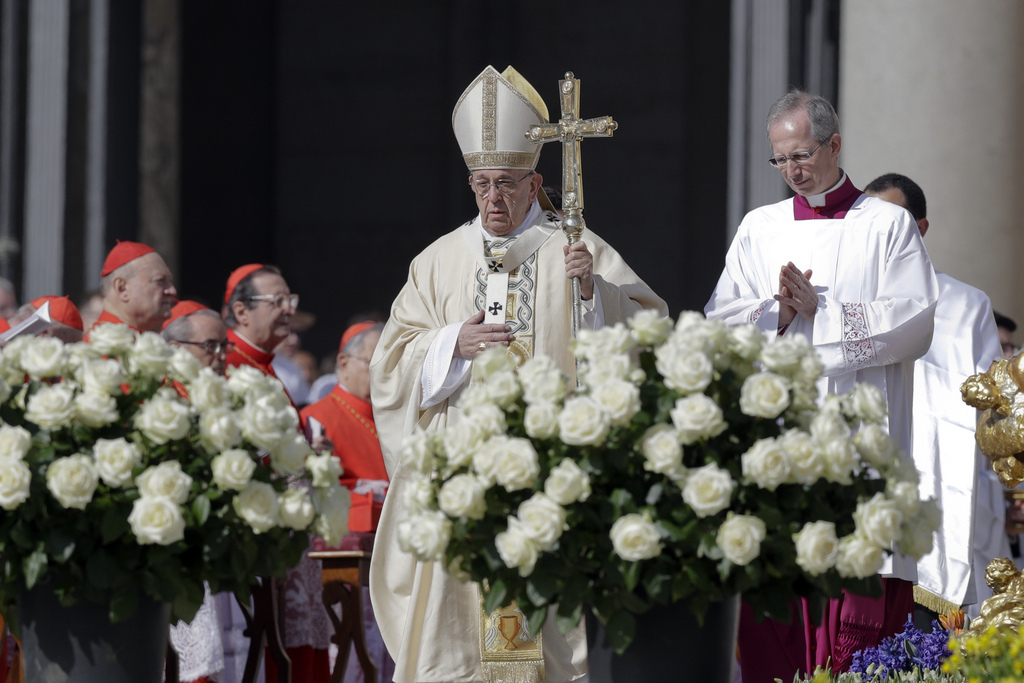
{"x":933,"y":89}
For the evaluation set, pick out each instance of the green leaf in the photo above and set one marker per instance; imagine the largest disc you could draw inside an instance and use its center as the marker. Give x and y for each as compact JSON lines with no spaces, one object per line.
{"x":60,"y":545}
{"x":632,"y":575}
{"x":536,"y":615}
{"x":34,"y":566}
{"x":201,"y":509}
{"x":568,"y":619}
{"x":541,"y":588}
{"x":113,"y":525}
{"x":495,"y":596}
{"x":123,"y":605}
{"x":619,"y":630}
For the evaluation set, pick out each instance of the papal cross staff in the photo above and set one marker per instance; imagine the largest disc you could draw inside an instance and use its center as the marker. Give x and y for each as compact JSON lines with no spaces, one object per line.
{"x":570,"y":130}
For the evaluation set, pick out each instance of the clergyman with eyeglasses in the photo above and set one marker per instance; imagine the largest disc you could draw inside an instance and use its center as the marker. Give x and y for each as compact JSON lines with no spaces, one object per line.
{"x":851,"y":274}
{"x":510,"y":262}
{"x":201,"y":332}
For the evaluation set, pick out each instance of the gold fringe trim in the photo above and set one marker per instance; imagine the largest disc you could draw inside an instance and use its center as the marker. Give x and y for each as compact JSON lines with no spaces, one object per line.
{"x":933,"y":602}
{"x":512,"y":672}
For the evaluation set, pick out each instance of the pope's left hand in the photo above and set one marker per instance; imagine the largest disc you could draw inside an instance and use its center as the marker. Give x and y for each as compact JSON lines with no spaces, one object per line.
{"x":579,"y":262}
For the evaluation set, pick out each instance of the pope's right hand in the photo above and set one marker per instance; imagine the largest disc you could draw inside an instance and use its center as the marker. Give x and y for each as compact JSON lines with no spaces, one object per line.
{"x":475,"y":337}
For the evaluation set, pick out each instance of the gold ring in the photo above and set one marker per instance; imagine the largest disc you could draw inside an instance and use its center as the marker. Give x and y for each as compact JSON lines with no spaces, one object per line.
{"x":482,"y":346}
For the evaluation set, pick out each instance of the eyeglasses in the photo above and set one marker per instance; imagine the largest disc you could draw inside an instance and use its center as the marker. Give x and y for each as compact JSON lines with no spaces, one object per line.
{"x":798,"y":158}
{"x":212,"y":346}
{"x":278,"y":300}
{"x":504,"y":185}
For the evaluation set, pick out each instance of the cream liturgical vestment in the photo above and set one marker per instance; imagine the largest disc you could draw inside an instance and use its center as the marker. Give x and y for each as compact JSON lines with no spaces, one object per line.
{"x":965,"y":342}
{"x":876,"y":293}
{"x":429,"y":621}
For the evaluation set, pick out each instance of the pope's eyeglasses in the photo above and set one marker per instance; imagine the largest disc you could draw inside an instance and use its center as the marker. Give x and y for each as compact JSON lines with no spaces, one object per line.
{"x":505,"y":186}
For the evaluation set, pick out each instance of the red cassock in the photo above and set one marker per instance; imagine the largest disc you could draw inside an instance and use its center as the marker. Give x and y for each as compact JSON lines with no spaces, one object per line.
{"x":850,"y":623}
{"x":348,"y":423}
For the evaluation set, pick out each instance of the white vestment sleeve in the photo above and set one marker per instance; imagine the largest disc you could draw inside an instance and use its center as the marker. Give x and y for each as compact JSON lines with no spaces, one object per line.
{"x":442,"y":373}
{"x":736,"y":299}
{"x":591,"y":312}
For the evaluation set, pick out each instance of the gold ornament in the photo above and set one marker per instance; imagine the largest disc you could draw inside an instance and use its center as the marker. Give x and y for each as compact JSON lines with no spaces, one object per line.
{"x":1005,"y":609}
{"x":1000,"y":433}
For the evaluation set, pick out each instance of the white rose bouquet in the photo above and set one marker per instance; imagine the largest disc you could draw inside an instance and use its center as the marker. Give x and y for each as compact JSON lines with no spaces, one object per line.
{"x":114,"y":484}
{"x":691,"y":463}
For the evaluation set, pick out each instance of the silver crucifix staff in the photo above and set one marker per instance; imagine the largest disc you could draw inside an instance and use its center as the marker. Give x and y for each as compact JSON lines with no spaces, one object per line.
{"x":570,"y":130}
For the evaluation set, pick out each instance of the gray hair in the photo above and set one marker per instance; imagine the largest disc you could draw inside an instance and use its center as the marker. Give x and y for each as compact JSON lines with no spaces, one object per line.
{"x":181,"y":328}
{"x":821,"y":114}
{"x":355,"y":344}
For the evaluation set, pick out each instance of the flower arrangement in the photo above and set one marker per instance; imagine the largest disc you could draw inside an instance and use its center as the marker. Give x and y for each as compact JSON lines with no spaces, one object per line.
{"x":112,"y":484}
{"x":992,"y":655}
{"x":691,"y":462}
{"x":906,"y":651}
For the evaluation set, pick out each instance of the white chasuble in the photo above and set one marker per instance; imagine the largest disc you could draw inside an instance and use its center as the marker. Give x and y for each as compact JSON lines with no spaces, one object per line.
{"x":876,"y":300}
{"x":430,"y":622}
{"x":965,"y":342}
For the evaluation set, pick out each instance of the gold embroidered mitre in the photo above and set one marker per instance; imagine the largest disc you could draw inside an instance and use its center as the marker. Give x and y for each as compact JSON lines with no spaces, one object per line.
{"x":492,"y":117}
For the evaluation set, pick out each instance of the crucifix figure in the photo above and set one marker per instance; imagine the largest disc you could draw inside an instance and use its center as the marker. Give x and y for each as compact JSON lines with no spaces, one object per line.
{"x":570,"y":129}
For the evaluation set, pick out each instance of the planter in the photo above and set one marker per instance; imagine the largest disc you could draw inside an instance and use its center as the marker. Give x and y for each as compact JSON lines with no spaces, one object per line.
{"x":670,"y":645}
{"x":78,"y":644}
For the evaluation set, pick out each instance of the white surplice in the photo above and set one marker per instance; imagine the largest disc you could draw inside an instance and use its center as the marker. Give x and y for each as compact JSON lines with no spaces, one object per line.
{"x":429,"y":621}
{"x":965,"y":342}
{"x":876,"y":300}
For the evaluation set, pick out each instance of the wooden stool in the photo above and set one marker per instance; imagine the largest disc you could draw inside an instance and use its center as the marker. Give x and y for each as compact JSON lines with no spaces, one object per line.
{"x":345,"y":573}
{"x":261,"y":621}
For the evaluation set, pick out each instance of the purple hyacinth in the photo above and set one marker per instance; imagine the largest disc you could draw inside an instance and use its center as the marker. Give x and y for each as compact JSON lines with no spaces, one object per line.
{"x":905,"y":651}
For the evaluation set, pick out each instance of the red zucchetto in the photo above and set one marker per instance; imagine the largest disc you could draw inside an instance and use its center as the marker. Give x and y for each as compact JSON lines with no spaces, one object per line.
{"x":182,"y":309}
{"x":61,"y":310}
{"x":237,"y":276}
{"x":353,"y":331}
{"x":122,"y":253}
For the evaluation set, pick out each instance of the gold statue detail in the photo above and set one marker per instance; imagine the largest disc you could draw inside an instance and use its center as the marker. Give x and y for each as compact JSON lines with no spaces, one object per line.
{"x":999,"y":393}
{"x":1005,"y":609}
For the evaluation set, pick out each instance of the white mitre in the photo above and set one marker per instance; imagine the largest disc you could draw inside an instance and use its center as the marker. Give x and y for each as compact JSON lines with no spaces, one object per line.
{"x":492,"y":117}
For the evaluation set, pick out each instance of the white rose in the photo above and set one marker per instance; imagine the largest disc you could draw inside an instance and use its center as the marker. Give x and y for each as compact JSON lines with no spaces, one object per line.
{"x":5,"y":389}
{"x":783,"y":355}
{"x":426,"y":535}
{"x":461,"y":440}
{"x":746,"y":341}
{"x":697,"y":417}
{"x":840,"y":459}
{"x":542,"y":381}
{"x":72,"y":480}
{"x":541,"y":420}
{"x":244,"y":381}
{"x":502,"y":388}
{"x":44,"y":358}
{"x":739,"y":538}
{"x":268,"y":419}
{"x":806,"y":463}
{"x":874,"y":445}
{"x":233,"y":469}
{"x":156,"y":520}
{"x":542,"y":519}
{"x":150,"y":355}
{"x":693,"y":331}
{"x":15,"y":483}
{"x":567,"y":483}
{"x":418,"y":494}
{"x":183,"y":366}
{"x":859,"y":557}
{"x":332,"y":505}
{"x":163,"y":419}
{"x":905,"y":494}
{"x":111,"y":339}
{"x":582,"y":422}
{"x":289,"y":457}
{"x":766,"y":464}
{"x":879,"y":520}
{"x":417,"y":452}
{"x":867,"y":402}
{"x":165,"y":480}
{"x":517,"y":466}
{"x":102,"y":376}
{"x":828,"y":426}
{"x":650,"y":328}
{"x":15,"y":442}
{"x":114,"y":460}
{"x":708,"y":490}
{"x":96,"y":410}
{"x":516,"y":549}
{"x":219,"y":430}
{"x":208,"y":391}
{"x":810,"y":370}
{"x":296,"y":509}
{"x":51,"y":407}
{"x":490,"y":362}
{"x":76,"y":356}
{"x":817,"y":547}
{"x":764,"y":394}
{"x":607,"y":341}
{"x":661,"y":449}
{"x":462,"y":496}
{"x":605,"y":369}
{"x":257,"y":505}
{"x":325,"y":469}
{"x":456,"y":571}
{"x":619,"y":399}
{"x":634,"y":537}
{"x":488,"y":416}
{"x":685,"y":370}
{"x":916,"y":537}
{"x":10,"y":360}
